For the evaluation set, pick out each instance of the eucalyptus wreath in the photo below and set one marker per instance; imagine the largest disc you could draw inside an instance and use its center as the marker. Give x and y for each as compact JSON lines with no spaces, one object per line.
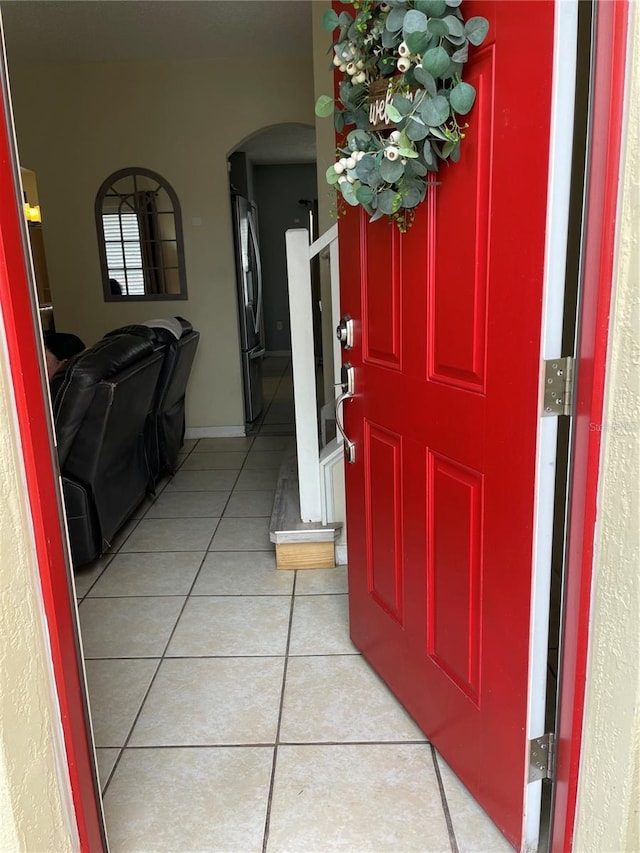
{"x":414,"y":52}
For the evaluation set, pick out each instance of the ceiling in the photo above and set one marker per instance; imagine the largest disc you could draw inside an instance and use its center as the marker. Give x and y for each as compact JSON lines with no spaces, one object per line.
{"x":88,"y":31}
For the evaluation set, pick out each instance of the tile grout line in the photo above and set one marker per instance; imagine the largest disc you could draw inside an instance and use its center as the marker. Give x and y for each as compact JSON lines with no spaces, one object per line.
{"x":445,"y":804}
{"x":79,"y":599}
{"x":118,"y":550}
{"x":155,"y":674}
{"x":267,"y":820}
{"x":182,"y":609}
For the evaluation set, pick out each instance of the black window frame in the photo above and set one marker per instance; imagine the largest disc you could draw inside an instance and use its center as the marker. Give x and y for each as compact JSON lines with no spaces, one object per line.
{"x":102,"y":194}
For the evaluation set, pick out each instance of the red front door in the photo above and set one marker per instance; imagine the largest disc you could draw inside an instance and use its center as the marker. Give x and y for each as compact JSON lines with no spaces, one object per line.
{"x":446,"y":358}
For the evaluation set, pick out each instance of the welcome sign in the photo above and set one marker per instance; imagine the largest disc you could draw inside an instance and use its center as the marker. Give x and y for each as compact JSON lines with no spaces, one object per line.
{"x":380,"y":94}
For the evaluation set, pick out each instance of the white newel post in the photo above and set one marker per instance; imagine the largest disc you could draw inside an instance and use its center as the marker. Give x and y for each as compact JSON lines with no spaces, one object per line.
{"x":304,"y":372}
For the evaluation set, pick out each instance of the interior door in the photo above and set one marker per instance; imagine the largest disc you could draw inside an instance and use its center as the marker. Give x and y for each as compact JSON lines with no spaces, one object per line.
{"x":443,"y":498}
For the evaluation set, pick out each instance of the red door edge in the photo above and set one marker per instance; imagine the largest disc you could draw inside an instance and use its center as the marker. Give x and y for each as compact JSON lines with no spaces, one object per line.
{"x":607,"y":114}
{"x":19,"y":312}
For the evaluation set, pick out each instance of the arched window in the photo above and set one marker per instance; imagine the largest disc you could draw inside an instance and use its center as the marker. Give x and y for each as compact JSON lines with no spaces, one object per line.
{"x":140,"y":237}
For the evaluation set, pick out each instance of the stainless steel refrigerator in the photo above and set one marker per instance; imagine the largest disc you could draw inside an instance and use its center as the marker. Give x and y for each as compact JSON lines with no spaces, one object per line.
{"x":249,"y":281}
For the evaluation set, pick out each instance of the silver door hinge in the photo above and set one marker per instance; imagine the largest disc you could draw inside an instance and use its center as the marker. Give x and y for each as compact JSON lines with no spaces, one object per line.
{"x":558,"y":386}
{"x":542,"y":757}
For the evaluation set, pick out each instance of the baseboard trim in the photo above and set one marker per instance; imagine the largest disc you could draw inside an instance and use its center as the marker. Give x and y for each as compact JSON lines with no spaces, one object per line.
{"x":214,"y":432}
{"x":341,"y":555}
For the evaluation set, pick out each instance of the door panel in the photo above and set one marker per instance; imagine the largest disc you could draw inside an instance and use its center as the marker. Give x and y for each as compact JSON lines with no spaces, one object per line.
{"x":458,"y":315}
{"x":446,"y":357}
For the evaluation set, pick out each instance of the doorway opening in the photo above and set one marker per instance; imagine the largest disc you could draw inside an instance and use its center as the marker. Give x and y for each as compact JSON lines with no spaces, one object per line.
{"x":273,"y":187}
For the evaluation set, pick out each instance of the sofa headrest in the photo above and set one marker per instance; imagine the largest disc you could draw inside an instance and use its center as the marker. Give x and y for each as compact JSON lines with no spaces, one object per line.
{"x":73,"y":389}
{"x":138,"y":329}
{"x":171,"y":328}
{"x":186,"y":325}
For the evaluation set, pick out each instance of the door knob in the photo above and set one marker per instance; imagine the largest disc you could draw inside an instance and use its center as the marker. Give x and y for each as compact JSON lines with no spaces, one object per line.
{"x":344,"y":332}
{"x":348,"y":391}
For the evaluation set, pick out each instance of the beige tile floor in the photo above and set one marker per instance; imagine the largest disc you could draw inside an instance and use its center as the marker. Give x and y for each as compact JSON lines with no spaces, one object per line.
{"x":230,"y":710}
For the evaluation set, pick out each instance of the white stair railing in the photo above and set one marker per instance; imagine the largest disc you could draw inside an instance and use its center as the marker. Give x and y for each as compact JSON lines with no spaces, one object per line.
{"x":311,"y":479}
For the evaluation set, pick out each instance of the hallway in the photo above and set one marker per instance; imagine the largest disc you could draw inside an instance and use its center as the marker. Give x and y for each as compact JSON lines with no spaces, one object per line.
{"x":231,"y":711}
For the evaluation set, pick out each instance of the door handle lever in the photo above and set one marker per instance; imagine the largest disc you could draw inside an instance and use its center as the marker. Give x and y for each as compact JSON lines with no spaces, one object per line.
{"x":348,"y":392}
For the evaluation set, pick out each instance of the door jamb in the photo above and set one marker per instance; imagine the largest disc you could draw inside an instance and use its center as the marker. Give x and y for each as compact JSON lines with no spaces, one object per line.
{"x":599,"y":234}
{"x":19,"y":312}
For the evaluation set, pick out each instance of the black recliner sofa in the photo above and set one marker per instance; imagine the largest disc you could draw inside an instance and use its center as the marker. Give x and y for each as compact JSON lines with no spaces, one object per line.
{"x":166,"y":427}
{"x":102,"y":406}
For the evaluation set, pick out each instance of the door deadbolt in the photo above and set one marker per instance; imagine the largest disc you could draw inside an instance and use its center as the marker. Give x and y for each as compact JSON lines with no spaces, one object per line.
{"x":344,"y":332}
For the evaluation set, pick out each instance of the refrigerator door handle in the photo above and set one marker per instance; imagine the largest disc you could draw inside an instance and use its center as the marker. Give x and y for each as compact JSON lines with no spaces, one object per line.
{"x":256,"y":251}
{"x":256,"y":353}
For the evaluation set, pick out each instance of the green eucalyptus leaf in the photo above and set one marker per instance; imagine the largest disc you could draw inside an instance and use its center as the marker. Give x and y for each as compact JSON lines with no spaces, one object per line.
{"x":425,"y":79}
{"x":386,"y":65}
{"x":338,"y":120}
{"x":402,"y":104}
{"x":462,"y":54}
{"x":415,"y":168}
{"x":358,"y":140}
{"x":414,"y":22}
{"x":361,"y":119}
{"x":330,"y":20}
{"x":390,"y":39}
{"x":344,"y":90}
{"x":462,"y":97}
{"x":447,"y":148}
{"x":454,"y":3}
{"x":455,"y":152}
{"x":395,"y":19}
{"x":456,"y":41}
{"x":437,"y":133}
{"x":432,"y":8}
{"x":389,"y":201}
{"x":454,"y":25}
{"x":331,"y":176}
{"x":427,"y":153}
{"x":417,"y":42}
{"x":435,"y":111}
{"x":416,"y":129}
{"x":365,"y":168}
{"x":476,"y":30}
{"x":364,"y":195}
{"x":437,"y":27}
{"x":412,"y":194}
{"x":393,"y":114}
{"x":455,"y":68}
{"x":324,"y":106}
{"x":344,"y":52}
{"x":353,"y":33}
{"x":391,"y":170}
{"x":377,"y":215}
{"x":435,"y":61}
{"x":410,"y":77}
{"x":349,"y":193}
{"x":345,"y":19}
{"x":404,"y":143}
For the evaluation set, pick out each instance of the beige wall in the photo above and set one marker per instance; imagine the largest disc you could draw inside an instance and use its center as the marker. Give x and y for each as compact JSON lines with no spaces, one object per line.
{"x":76,"y":124}
{"x":35,"y":810}
{"x":325,"y":134}
{"x":609,"y":793}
